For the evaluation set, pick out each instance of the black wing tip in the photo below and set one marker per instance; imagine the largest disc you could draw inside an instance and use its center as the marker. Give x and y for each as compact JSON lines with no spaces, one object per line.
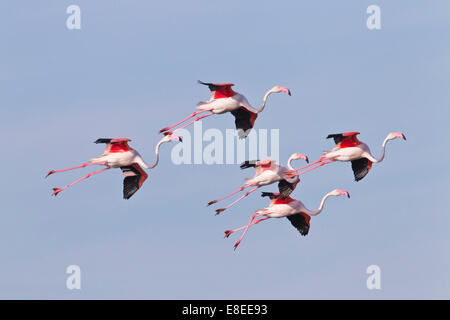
{"x":267,"y":194}
{"x":359,"y":177}
{"x":304,"y":232}
{"x":103,"y":140}
{"x":360,"y":168}
{"x":247,"y":164}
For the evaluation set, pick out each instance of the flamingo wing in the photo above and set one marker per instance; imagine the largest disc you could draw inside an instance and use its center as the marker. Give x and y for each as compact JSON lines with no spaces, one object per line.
{"x":345,"y":140}
{"x":271,"y":195}
{"x":259,"y":165}
{"x":115,"y":145}
{"x":134,"y":178}
{"x":249,"y":164}
{"x":244,"y":121}
{"x":361,"y":167}
{"x":285,"y":188}
{"x":300,"y":221}
{"x":219,"y":90}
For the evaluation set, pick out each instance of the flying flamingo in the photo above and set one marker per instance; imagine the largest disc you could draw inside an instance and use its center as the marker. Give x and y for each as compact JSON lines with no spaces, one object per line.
{"x":349,"y":148}
{"x":224,"y":99}
{"x":294,"y":210}
{"x":266,"y":172}
{"x":118,"y":154}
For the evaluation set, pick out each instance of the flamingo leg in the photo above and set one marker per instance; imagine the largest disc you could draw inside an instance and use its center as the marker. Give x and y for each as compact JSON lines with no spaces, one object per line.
{"x":236,"y":201}
{"x":229,"y":232}
{"x":304,"y":167}
{"x":246,"y":229}
{"x":58,"y":190}
{"x":228,"y":195}
{"x":317,"y":166}
{"x":180,"y":122}
{"x":76,"y":167}
{"x":189,"y":123}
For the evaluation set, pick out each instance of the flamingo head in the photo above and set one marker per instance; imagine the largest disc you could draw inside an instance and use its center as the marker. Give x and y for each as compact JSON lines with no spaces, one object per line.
{"x":395,"y":135}
{"x":300,"y":156}
{"x":339,"y":192}
{"x":278,"y":89}
{"x":172,"y":137}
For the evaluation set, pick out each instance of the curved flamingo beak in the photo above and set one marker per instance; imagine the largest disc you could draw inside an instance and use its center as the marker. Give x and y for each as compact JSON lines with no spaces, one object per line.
{"x":174,"y":137}
{"x":303,"y":157}
{"x":285,"y":90}
{"x":343,"y":193}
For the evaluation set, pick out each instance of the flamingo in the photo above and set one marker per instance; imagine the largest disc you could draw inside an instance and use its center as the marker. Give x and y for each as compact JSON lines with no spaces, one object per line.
{"x":266,"y":172}
{"x":349,"y":148}
{"x":118,"y":154}
{"x":224,"y":99}
{"x":294,"y":210}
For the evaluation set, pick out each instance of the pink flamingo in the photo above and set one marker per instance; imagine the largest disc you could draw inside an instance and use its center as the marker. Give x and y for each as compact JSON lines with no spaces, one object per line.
{"x":118,"y":154}
{"x":224,"y":99}
{"x":349,"y":148}
{"x":294,"y":210}
{"x":266,"y":172}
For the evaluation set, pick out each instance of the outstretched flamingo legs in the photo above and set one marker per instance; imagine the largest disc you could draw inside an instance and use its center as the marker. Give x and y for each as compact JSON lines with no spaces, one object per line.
{"x":291,"y":173}
{"x":236,"y":201}
{"x":306,"y":166}
{"x":228,"y":195}
{"x":253,"y":217}
{"x":185,"y":119}
{"x":189,"y":123}
{"x":229,"y":232}
{"x":76,"y":167}
{"x":307,"y":170}
{"x":58,"y":190}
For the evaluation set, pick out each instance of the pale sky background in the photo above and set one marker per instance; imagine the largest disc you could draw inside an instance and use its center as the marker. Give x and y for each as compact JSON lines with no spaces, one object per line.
{"x":132,"y":69}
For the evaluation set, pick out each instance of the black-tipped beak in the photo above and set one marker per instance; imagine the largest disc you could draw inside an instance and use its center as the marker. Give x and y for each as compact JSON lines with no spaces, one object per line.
{"x":180,"y":139}
{"x":348,"y":195}
{"x":307,"y":160}
{"x":289,"y":92}
{"x":403,"y":136}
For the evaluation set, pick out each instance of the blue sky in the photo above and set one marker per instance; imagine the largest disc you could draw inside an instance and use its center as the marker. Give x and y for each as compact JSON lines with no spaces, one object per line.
{"x":132,"y":69}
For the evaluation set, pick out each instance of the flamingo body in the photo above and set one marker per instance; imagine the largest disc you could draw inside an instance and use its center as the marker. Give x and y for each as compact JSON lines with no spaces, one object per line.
{"x":266,"y":172}
{"x":349,"y":149}
{"x":293,"y":209}
{"x":224,"y":99}
{"x":118,"y":154}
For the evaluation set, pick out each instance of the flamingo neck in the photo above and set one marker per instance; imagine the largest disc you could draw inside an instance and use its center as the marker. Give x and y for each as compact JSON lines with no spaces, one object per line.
{"x":155,"y":162}
{"x":383,"y":149}
{"x":322,"y":203}
{"x":289,"y":163}
{"x":264,"y":101}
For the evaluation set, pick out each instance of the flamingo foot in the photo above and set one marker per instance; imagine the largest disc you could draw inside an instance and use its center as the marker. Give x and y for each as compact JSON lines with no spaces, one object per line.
{"x":56,"y":191}
{"x":290,"y":174}
{"x":218,"y":211}
{"x":228,"y":233}
{"x":236,"y":244}
{"x":164,"y":129}
{"x":49,"y":173}
{"x":211,"y":202}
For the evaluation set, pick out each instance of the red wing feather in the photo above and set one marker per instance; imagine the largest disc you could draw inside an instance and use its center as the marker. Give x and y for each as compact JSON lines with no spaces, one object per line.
{"x":219,"y":90}
{"x":345,"y":140}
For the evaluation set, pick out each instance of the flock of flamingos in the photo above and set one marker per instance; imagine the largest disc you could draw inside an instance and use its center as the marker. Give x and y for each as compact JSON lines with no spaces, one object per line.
{"x":118,"y":154}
